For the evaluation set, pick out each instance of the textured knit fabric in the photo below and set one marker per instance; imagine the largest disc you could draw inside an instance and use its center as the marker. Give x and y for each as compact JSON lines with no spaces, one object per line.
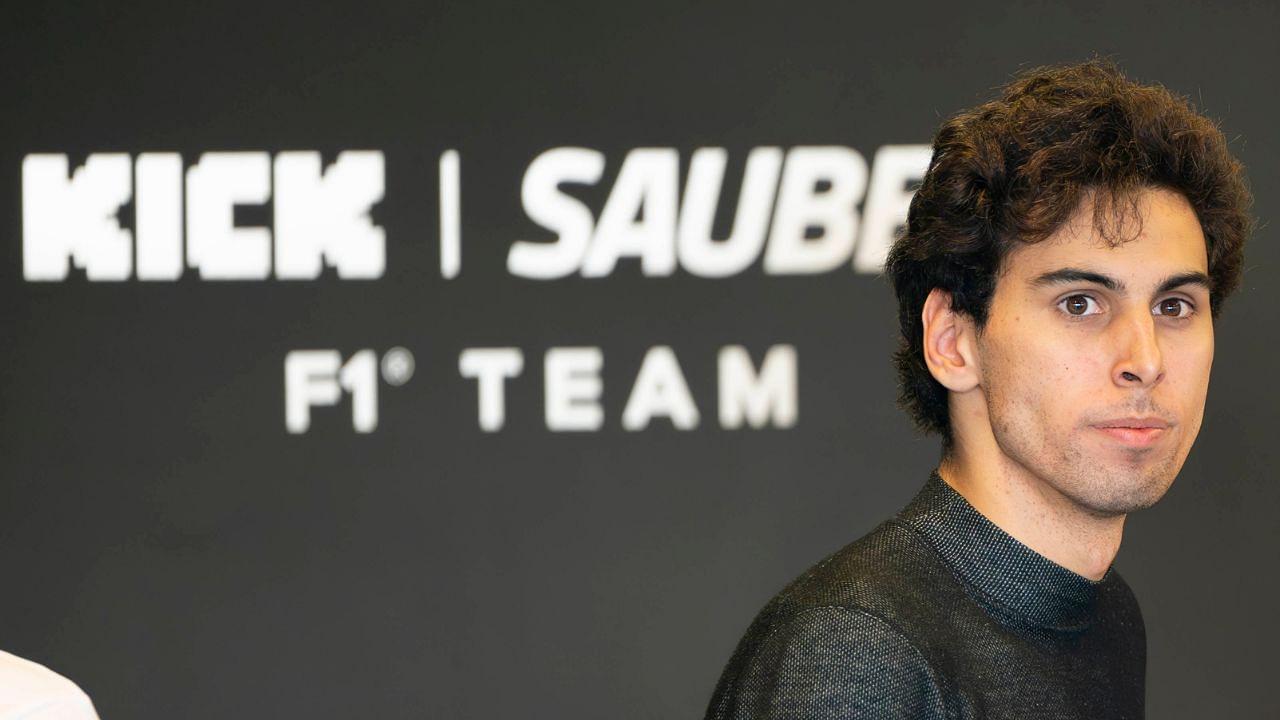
{"x":938,"y":613}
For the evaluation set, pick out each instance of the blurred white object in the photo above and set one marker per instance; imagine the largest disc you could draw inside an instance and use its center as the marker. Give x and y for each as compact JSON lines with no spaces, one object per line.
{"x":30,"y":691}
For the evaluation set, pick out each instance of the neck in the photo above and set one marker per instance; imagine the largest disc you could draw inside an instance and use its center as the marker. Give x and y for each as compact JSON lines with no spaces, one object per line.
{"x":1032,"y":510}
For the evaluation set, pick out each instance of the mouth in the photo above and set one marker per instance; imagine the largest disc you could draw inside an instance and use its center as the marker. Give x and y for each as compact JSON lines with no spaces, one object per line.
{"x":1134,"y":431}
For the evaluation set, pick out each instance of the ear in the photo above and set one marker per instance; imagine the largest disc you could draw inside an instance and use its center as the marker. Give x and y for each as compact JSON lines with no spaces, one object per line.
{"x":950,"y":343}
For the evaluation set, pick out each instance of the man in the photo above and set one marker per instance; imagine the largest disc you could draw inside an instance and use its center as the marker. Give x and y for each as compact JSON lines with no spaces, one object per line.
{"x":1063,"y":261}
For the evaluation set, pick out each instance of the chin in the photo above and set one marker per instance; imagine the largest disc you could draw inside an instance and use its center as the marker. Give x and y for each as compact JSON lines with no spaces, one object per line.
{"x":1108,"y":491}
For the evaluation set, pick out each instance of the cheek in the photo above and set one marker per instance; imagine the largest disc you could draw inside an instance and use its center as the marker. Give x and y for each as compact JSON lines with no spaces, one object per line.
{"x":1058,"y":364}
{"x":1026,"y":373}
{"x":1188,"y":366}
{"x":1043,"y":380}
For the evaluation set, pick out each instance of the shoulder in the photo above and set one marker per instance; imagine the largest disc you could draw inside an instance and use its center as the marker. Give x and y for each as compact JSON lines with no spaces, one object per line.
{"x":890,"y":573}
{"x":831,"y":644}
{"x":830,"y":662}
{"x":31,"y":690}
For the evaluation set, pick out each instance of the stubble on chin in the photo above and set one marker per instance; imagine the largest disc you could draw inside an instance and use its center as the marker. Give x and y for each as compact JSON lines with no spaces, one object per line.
{"x":1101,"y":482}
{"x":1114,"y":486}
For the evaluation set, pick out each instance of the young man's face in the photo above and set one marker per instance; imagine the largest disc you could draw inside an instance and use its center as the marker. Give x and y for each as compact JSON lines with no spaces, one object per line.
{"x":1095,"y":359}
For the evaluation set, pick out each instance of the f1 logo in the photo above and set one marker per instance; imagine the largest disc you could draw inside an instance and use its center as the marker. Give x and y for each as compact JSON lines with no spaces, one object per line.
{"x":319,"y":377}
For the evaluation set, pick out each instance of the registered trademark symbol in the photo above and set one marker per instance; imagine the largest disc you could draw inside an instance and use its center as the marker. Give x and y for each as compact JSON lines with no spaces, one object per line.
{"x":397,"y":366}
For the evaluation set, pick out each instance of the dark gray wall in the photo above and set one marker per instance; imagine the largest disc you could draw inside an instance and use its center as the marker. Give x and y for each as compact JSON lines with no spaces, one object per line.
{"x":167,"y":544}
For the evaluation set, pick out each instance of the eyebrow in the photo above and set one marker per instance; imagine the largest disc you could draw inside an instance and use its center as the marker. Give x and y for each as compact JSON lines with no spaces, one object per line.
{"x":1071,"y":275}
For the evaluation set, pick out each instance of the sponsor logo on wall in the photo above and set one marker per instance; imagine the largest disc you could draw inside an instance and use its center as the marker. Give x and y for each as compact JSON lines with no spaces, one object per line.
{"x":152,"y":217}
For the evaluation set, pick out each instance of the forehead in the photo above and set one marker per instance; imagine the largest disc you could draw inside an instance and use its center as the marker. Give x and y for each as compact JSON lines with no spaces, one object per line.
{"x":1150,"y":235}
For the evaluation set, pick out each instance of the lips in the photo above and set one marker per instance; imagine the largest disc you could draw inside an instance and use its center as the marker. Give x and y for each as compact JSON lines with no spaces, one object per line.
{"x":1134,"y":431}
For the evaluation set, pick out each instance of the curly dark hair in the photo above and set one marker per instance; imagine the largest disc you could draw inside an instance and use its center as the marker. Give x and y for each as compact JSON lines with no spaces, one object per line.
{"x":1013,"y":170}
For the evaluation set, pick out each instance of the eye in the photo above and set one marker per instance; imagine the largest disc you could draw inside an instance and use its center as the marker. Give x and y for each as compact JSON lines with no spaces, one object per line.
{"x":1175,"y":307}
{"x":1079,"y":305}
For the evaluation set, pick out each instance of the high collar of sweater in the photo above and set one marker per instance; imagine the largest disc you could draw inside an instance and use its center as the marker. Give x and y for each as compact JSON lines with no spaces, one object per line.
{"x":1019,"y":586}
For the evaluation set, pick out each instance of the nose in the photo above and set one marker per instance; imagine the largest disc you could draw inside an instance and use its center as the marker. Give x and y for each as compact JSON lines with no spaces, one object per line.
{"x":1139,"y":361}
